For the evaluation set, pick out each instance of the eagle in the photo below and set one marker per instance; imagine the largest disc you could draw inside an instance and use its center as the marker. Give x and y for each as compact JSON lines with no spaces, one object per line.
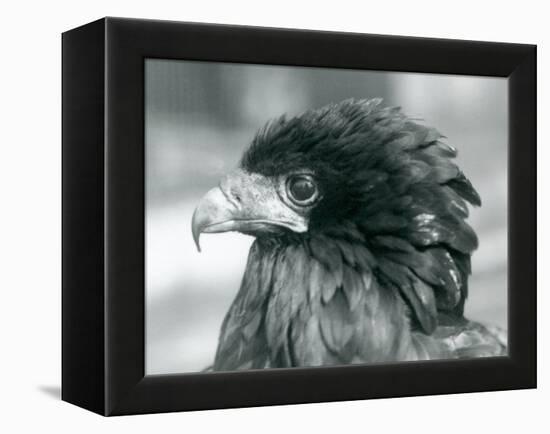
{"x":361,"y":251}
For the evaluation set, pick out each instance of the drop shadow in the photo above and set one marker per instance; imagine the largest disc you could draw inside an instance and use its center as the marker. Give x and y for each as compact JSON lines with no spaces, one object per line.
{"x":51,"y":391}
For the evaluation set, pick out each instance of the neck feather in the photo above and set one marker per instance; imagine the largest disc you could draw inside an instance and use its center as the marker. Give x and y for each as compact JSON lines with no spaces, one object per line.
{"x":325,"y":305}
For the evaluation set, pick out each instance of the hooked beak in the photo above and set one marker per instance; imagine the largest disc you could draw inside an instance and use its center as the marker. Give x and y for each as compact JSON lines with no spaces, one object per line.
{"x":215,"y":213}
{"x":247,"y":203}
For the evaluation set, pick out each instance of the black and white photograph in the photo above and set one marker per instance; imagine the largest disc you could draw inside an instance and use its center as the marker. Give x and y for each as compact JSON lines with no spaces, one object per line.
{"x":305,"y":217}
{"x":275,"y":217}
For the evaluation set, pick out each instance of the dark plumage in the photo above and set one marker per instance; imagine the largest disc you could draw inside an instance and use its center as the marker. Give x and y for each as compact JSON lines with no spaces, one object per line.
{"x":362,"y":251}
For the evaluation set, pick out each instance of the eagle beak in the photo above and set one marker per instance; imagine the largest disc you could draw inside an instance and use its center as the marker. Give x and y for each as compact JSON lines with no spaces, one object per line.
{"x":214,"y":213}
{"x":247,"y":203}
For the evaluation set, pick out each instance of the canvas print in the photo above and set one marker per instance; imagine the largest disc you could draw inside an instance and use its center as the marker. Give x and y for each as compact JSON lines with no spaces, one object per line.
{"x":304,"y":217}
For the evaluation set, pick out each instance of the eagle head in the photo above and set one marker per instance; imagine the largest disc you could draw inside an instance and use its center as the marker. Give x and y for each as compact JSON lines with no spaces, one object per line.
{"x":358,"y":183}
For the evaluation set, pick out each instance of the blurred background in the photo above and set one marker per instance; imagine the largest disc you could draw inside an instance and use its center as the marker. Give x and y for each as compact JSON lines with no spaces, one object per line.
{"x":200,"y":116}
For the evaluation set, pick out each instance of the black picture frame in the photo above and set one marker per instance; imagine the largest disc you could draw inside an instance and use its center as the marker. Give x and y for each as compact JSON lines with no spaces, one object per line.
{"x":103,"y":215}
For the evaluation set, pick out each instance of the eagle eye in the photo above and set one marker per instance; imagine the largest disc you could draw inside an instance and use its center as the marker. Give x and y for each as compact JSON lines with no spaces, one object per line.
{"x":302,"y":190}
